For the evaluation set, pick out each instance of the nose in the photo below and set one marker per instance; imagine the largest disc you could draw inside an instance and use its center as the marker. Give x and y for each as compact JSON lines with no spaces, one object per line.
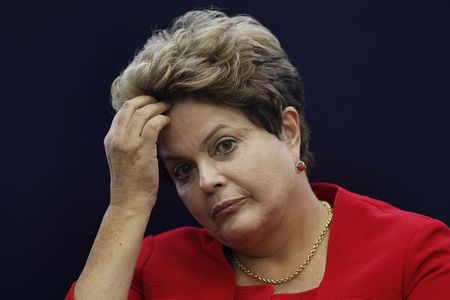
{"x":210,"y":177}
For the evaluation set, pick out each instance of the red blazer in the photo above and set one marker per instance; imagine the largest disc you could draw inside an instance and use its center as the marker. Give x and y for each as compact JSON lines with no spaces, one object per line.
{"x":375,"y":251}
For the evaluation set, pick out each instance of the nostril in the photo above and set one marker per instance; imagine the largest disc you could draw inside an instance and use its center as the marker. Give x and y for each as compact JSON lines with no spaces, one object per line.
{"x":211,"y":181}
{"x":218,"y":185}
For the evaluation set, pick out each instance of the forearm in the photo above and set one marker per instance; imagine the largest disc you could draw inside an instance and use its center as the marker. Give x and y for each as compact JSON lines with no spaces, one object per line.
{"x":131,"y":150}
{"x":109,"y":269}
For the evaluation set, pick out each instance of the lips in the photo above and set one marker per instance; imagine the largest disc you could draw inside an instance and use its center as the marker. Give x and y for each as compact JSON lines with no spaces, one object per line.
{"x":225,"y":204}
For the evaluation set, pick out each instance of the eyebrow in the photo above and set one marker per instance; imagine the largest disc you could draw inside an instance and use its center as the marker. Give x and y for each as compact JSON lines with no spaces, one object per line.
{"x":205,"y":140}
{"x":212,"y":133}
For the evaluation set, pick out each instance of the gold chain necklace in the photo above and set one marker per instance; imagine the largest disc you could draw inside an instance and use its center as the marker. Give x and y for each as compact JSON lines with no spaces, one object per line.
{"x":302,"y":267}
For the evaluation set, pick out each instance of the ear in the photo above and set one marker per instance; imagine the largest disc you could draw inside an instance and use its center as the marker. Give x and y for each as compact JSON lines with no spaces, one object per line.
{"x":290,"y":131}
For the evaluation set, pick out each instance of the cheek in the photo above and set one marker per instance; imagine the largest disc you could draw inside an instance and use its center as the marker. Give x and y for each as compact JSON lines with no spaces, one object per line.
{"x":185,"y":194}
{"x":266,"y":168}
{"x":265,"y":158}
{"x":251,"y":173}
{"x":190,"y":199}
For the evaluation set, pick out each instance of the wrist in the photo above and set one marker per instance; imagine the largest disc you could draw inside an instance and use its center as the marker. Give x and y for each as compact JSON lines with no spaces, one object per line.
{"x":135,"y":201}
{"x":130,"y":209}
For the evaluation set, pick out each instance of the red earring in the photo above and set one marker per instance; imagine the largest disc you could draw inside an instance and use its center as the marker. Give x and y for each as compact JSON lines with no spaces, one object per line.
{"x":300,"y":166}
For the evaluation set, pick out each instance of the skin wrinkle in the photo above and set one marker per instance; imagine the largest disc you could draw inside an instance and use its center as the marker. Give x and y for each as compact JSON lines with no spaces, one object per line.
{"x":251,"y":85}
{"x":249,"y":68}
{"x":190,"y":147}
{"x":270,"y":230}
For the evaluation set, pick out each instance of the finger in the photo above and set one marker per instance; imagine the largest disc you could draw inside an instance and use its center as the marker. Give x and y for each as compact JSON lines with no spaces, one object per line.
{"x":125,"y":113}
{"x":153,"y":127}
{"x":142,"y":115}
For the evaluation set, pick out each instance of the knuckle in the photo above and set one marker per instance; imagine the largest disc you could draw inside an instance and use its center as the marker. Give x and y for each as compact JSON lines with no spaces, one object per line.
{"x":128,"y":104}
{"x":151,"y":127}
{"x":125,"y":146}
{"x":146,"y":98}
{"x":141,"y":112}
{"x":117,"y":145}
{"x":107,"y":140}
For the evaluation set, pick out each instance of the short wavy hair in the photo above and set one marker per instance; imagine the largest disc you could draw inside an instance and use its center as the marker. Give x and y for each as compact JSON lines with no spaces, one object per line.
{"x":233,"y":61}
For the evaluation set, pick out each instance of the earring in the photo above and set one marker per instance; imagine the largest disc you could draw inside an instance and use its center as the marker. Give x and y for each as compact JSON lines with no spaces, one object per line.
{"x":300,"y":166}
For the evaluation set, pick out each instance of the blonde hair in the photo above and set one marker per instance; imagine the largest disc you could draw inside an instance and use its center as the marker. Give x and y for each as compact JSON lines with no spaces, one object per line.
{"x":232,"y":61}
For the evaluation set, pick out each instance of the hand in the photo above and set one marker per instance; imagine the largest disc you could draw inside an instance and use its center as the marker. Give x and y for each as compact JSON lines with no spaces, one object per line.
{"x":130,"y":147}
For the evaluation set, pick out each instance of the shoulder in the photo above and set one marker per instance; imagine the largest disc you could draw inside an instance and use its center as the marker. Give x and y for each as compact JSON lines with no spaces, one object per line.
{"x":174,"y":241}
{"x":180,"y":234}
{"x":367,"y":210}
{"x":390,"y":249}
{"x":179,"y":238}
{"x":393,"y":225}
{"x":183,"y":234}
{"x":370,"y":227}
{"x":416,"y":245}
{"x":184,"y":243}
{"x":186,"y":236}
{"x":170,"y":258}
{"x":353,"y":208}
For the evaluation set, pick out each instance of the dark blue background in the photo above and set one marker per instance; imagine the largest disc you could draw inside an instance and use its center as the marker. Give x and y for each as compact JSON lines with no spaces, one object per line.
{"x":377,"y":79}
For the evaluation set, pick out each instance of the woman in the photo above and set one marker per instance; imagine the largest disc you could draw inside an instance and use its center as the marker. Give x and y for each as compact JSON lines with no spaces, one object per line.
{"x":217,"y":101}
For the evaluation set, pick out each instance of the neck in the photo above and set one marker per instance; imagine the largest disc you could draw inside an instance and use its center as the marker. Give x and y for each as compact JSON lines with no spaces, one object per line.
{"x":285,"y":248}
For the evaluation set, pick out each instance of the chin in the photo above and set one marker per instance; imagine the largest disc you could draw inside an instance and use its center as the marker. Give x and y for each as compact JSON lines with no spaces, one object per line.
{"x":238,"y":230}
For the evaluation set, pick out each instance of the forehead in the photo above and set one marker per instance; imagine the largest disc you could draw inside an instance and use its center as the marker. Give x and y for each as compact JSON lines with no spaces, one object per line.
{"x":196,"y":106}
{"x":192,"y":120}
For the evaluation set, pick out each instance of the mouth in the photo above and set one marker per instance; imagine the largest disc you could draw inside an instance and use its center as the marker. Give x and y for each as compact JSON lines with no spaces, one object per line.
{"x":226,"y":206}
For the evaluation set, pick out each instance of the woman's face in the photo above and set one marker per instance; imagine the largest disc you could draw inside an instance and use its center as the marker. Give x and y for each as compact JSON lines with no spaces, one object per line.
{"x":234,"y":177}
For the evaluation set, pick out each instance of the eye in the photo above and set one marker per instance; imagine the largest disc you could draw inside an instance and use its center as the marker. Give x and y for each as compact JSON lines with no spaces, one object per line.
{"x":182,"y":171}
{"x":225,"y":146}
